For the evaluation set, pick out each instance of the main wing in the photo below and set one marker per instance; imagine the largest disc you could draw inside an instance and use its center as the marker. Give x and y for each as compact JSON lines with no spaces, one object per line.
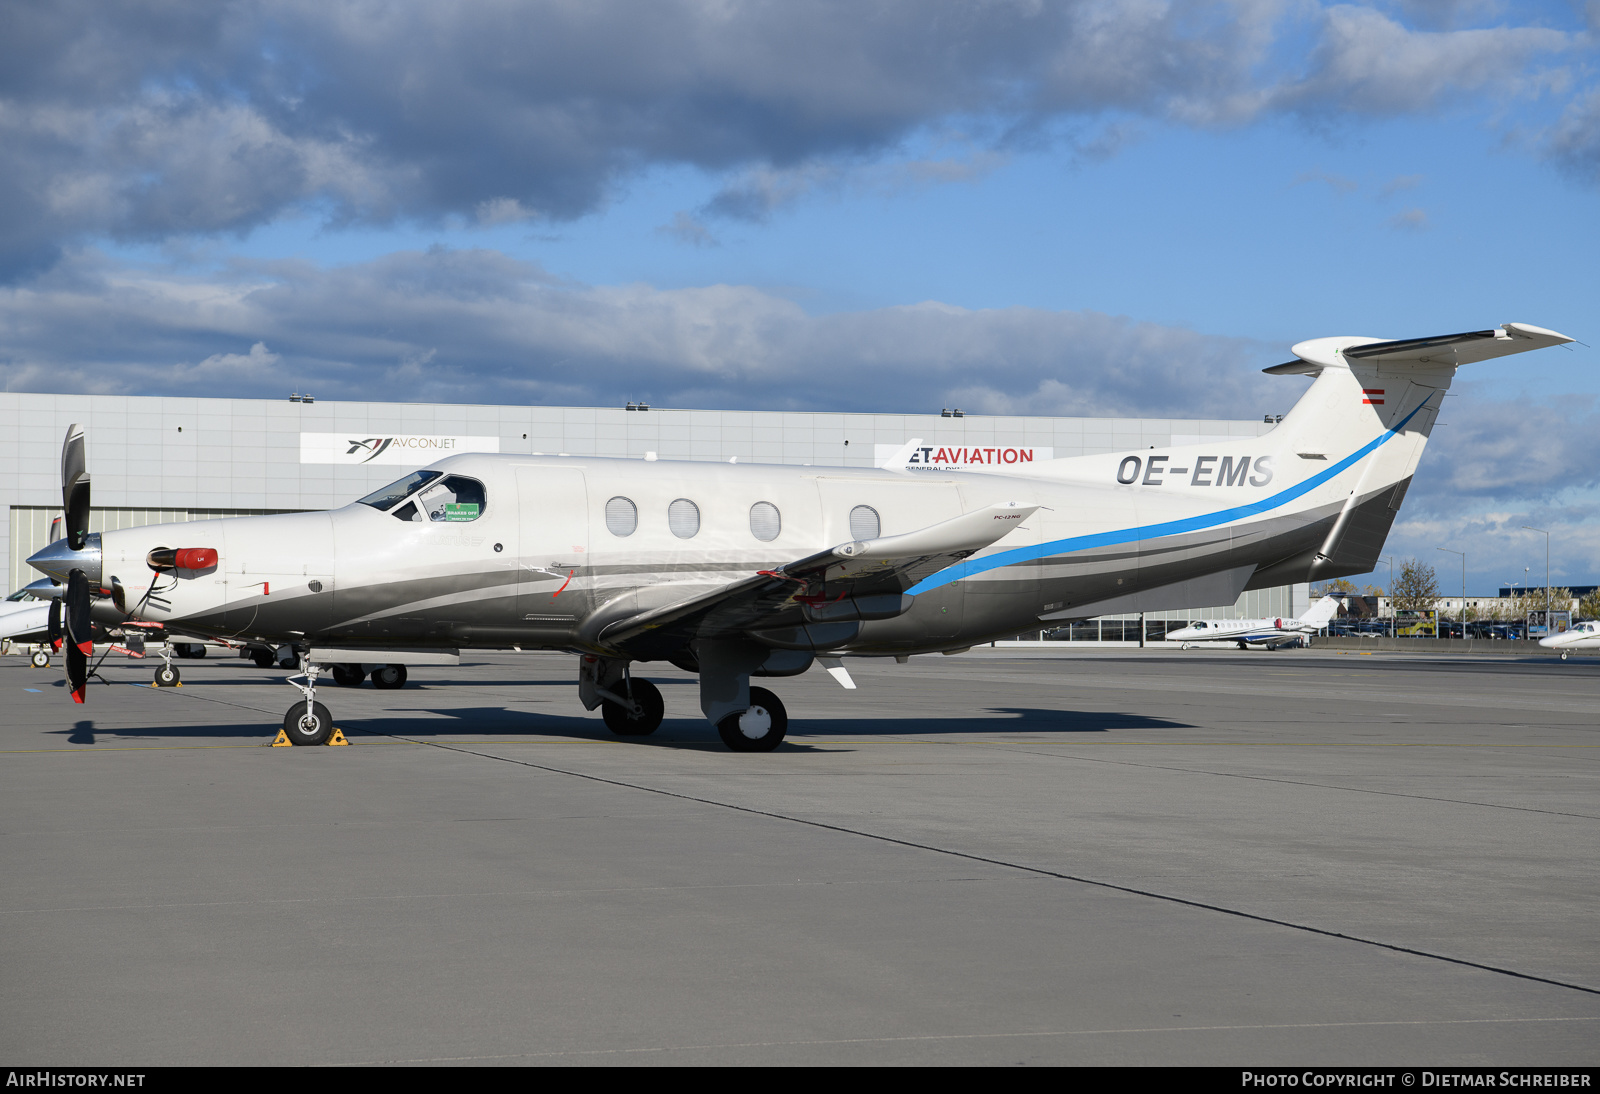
{"x":849,"y":583}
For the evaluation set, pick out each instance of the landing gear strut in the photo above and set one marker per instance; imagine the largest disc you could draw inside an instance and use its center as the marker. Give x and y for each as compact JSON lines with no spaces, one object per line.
{"x":308,"y":722}
{"x":635,"y":713}
{"x":631,"y":708}
{"x":166,"y":675}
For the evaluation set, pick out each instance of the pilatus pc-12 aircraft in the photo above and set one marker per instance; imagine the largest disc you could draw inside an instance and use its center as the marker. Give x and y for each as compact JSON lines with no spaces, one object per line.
{"x":739,"y":571}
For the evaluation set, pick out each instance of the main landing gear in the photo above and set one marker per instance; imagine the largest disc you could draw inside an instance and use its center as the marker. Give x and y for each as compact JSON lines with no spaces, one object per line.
{"x":747,"y":719}
{"x":631,"y":708}
{"x":759,"y":728}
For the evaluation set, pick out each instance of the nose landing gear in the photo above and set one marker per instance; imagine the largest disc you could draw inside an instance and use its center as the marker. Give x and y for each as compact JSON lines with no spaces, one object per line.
{"x":307,"y":722}
{"x":166,"y":675}
{"x":40,"y":659}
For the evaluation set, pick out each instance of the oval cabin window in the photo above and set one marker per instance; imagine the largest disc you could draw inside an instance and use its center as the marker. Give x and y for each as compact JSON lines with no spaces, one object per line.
{"x":622,"y":517}
{"x":864,"y":523}
{"x":683,"y":517}
{"x":765,"y":521}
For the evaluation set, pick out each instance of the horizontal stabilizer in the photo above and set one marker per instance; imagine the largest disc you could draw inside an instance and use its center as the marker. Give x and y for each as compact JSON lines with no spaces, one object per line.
{"x":1464,"y":348}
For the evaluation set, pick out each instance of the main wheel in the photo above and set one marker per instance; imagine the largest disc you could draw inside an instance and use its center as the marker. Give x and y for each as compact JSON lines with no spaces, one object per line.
{"x":759,"y":729}
{"x":40,"y":659}
{"x":389,"y":677}
{"x":166,"y":676}
{"x":197,"y":650}
{"x":624,"y":723}
{"x":308,"y":728}
{"x":348,"y":676}
{"x":264,"y":659}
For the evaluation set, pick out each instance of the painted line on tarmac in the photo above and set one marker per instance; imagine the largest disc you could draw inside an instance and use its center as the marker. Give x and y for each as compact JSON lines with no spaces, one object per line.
{"x":1036,"y":870}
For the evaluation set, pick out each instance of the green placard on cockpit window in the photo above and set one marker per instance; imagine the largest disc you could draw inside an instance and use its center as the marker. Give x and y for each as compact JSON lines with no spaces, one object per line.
{"x":464,"y":511}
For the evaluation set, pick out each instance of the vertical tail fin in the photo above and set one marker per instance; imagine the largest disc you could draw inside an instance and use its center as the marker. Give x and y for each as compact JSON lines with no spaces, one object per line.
{"x":1320,"y":612}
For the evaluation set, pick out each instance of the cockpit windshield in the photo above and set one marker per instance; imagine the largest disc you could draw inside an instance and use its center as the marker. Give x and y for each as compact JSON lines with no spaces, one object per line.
{"x":396,"y":492}
{"x":20,"y":594}
{"x":452,"y":499}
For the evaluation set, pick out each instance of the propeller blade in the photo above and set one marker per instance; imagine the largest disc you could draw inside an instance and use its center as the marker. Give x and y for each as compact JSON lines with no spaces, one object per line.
{"x":78,"y":604}
{"x":77,"y":672}
{"x":54,"y":622}
{"x":75,"y":488}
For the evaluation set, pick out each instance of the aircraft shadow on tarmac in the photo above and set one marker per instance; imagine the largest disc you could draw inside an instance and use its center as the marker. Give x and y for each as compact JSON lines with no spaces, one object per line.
{"x":481,"y":722}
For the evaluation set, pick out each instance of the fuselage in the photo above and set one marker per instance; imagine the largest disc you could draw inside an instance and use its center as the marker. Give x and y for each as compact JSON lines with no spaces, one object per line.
{"x":1241,"y":630}
{"x":1583,"y":636}
{"x":540,"y":544}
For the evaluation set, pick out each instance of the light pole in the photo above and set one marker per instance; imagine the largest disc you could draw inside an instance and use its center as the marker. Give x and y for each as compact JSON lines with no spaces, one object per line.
{"x":1463,"y":555}
{"x":1391,"y":594}
{"x":1547,"y":605}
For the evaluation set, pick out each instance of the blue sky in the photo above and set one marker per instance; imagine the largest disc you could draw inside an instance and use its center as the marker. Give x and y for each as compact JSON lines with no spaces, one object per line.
{"x":1084,"y":207}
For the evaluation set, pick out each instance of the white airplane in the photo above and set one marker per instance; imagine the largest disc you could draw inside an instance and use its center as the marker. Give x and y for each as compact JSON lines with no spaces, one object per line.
{"x":1271,"y":633}
{"x":1582,"y":636}
{"x":735,"y":571}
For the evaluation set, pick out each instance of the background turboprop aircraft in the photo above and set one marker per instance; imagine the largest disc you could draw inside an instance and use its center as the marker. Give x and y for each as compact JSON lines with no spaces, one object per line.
{"x":1271,"y":633}
{"x":735,"y":571}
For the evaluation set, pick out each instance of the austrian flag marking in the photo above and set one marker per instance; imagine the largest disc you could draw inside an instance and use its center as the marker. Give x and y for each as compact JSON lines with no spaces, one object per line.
{"x":1373,"y":396}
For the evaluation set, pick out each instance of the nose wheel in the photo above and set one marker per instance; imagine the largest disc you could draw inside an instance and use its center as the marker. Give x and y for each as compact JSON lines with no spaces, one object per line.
{"x":166,"y":675}
{"x":307,"y":722}
{"x":40,"y":659}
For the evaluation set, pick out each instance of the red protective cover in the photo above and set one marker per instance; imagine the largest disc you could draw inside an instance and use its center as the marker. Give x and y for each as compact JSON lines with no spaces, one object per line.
{"x":196,"y":558}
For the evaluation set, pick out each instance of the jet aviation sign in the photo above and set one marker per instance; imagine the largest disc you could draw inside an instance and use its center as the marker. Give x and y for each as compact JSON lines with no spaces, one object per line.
{"x":938,"y":457}
{"x":409,"y":449}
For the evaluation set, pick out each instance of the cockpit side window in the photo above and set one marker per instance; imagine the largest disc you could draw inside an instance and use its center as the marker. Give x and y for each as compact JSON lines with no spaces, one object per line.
{"x":453,"y":499}
{"x":396,"y":492}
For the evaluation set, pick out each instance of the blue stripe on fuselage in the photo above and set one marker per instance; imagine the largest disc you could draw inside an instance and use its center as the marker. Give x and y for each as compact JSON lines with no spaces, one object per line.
{"x":972,"y":566}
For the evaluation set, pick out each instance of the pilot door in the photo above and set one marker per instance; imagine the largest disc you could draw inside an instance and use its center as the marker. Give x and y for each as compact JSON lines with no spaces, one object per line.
{"x":556,"y":585}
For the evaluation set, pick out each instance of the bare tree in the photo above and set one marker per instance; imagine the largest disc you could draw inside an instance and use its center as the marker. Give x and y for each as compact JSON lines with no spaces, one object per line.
{"x":1416,"y":587}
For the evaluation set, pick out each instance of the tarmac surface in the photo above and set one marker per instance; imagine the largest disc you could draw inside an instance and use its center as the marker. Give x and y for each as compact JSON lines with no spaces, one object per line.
{"x":1009,"y":857}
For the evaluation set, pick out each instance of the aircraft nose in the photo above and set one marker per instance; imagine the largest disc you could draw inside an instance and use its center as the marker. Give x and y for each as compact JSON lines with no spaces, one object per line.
{"x":59,"y":560}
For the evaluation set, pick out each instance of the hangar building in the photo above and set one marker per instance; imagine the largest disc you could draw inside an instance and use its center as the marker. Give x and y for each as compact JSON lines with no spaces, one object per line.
{"x":157,"y":459}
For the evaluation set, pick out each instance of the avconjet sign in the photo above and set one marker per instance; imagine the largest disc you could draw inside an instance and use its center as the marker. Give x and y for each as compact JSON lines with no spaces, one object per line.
{"x":412,"y":449}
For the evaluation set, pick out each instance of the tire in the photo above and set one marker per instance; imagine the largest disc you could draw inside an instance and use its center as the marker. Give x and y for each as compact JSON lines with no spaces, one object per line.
{"x":167,"y":676}
{"x":304,"y":730}
{"x":264,"y":659}
{"x":766,"y":717}
{"x":348,"y":676}
{"x":624,"y":724}
{"x":389,"y":677}
{"x":1563,"y":655}
{"x":40,"y":659}
{"x":196,"y":651}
